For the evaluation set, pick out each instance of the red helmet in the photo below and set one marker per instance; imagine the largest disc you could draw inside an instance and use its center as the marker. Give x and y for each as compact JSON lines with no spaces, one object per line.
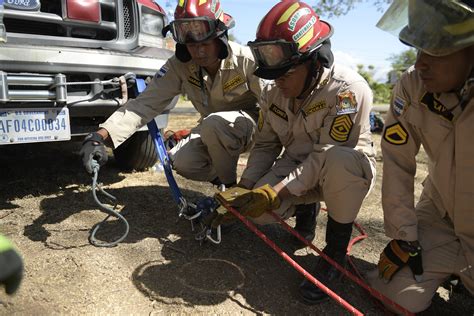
{"x":199,"y":20}
{"x":287,"y":35}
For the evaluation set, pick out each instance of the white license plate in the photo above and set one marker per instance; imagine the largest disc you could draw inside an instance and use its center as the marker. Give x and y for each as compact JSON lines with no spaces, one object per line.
{"x":34,"y":125}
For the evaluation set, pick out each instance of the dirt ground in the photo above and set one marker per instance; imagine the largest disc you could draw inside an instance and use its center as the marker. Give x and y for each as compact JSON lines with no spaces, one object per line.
{"x":47,"y":209}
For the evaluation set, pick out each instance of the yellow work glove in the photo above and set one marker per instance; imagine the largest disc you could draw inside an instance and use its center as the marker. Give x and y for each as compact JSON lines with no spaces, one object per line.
{"x":396,"y":255}
{"x":251,"y":203}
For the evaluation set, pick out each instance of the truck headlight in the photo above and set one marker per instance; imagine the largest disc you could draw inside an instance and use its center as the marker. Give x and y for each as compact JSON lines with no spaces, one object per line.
{"x":151,"y":23}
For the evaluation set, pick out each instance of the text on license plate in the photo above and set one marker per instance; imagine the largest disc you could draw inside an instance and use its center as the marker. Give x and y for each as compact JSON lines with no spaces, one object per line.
{"x":34,"y":125}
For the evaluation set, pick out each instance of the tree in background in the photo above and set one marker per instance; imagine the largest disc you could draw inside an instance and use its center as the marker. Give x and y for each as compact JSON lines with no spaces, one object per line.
{"x":381,"y":90}
{"x":400,"y":63}
{"x":341,"y":7}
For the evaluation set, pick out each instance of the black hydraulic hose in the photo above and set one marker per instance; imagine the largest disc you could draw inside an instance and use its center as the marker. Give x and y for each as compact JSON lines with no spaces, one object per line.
{"x":109,"y":211}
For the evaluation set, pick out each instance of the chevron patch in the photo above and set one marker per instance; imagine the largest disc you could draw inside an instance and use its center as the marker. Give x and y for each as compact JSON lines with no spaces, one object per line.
{"x":396,"y":134}
{"x":341,"y":128}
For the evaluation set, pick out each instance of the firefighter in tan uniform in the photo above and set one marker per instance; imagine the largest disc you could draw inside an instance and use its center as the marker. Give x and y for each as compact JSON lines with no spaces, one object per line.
{"x":432,"y":105}
{"x":217,"y":77}
{"x":318,"y":113}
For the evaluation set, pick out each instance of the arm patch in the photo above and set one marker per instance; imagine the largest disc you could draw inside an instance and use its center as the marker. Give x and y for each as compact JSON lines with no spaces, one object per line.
{"x":396,"y":134}
{"x":341,"y":128}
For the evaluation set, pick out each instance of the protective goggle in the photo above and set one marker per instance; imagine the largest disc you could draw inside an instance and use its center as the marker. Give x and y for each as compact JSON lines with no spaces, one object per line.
{"x":274,"y":54}
{"x":193,"y":30}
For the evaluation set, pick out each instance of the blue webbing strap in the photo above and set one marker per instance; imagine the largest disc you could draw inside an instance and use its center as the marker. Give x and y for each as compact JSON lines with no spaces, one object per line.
{"x":162,"y":153}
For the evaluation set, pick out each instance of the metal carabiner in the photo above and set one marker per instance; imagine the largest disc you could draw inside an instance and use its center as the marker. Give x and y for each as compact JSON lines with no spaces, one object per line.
{"x":206,"y":233}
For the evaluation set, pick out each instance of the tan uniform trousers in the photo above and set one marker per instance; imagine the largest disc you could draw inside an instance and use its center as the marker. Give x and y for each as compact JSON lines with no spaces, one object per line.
{"x":213,"y":148}
{"x":440,"y":260}
{"x":345,"y":179}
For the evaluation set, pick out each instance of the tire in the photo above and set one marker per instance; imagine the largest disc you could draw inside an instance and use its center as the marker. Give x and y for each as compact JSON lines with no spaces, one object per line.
{"x":136,"y":153}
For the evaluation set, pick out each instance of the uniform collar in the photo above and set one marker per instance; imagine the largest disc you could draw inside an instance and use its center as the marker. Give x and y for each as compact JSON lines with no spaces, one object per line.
{"x":230,"y":61}
{"x":325,"y":76}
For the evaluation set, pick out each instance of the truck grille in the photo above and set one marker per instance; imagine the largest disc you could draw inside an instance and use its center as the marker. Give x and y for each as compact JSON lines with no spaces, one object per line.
{"x":127,"y":19}
{"x":49,"y":22}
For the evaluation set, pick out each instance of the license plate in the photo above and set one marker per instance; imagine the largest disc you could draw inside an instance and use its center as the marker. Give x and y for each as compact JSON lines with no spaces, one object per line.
{"x":26,"y":5}
{"x":34,"y":125}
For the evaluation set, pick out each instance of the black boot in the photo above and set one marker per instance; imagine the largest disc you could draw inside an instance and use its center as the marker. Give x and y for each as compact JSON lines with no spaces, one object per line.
{"x":337,"y":238}
{"x":305,"y":222}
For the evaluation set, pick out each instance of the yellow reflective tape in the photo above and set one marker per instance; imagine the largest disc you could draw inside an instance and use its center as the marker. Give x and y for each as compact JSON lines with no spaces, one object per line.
{"x":181,"y":3}
{"x":460,"y":28}
{"x":286,"y":15}
{"x":306,"y":38}
{"x":201,"y":2}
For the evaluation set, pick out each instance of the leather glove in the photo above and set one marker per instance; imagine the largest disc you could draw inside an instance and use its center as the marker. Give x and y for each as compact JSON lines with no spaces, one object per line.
{"x":251,"y":203}
{"x":11,"y":267}
{"x":93,"y":148}
{"x":396,"y":255}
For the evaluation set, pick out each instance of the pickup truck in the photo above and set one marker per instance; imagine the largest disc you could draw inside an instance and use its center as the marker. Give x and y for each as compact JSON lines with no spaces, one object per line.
{"x":67,"y":65}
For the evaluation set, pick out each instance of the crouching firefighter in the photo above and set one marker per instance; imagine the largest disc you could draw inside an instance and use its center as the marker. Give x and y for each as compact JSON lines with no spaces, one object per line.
{"x":217,"y":77}
{"x":318,"y":113}
{"x":432,"y":106}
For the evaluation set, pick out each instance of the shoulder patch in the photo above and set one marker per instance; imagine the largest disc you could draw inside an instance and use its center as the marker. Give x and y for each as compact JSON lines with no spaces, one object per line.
{"x":436,"y":106}
{"x":396,"y":134}
{"x":160,"y":73}
{"x":278,"y":112}
{"x":341,"y":128}
{"x":399,"y":106}
{"x":346,"y":103}
{"x":194,"y":81}
{"x":314,"y":107}
{"x":233,"y":83}
{"x":260,"y":120}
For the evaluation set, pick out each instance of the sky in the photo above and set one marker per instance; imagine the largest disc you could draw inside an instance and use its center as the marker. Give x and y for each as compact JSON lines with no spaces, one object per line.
{"x":356,"y":39}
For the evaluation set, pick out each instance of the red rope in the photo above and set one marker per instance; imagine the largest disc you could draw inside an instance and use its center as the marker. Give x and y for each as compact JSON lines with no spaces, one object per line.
{"x":351,"y":276}
{"x":293,"y":263}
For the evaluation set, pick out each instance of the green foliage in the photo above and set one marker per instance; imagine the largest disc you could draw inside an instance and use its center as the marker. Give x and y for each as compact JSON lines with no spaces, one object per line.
{"x":401,"y":62}
{"x":331,"y":8}
{"x":381,"y":90}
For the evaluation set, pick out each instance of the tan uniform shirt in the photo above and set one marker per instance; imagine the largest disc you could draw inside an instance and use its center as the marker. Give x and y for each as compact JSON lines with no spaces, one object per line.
{"x":336,"y":113}
{"x":234,"y":88}
{"x":437,"y":122}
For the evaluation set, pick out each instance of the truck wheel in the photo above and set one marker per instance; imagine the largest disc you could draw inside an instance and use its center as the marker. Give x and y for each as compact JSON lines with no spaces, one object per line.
{"x":136,"y":153}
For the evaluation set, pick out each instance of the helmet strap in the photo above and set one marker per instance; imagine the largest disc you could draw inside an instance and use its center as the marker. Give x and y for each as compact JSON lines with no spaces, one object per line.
{"x":314,"y":74}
